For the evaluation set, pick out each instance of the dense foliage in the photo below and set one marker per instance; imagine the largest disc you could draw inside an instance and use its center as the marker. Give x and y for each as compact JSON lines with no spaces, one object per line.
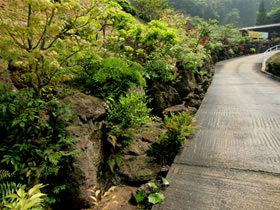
{"x":178,"y":128}
{"x":237,"y":12}
{"x":97,"y":47}
{"x":125,"y":115}
{"x":34,"y":139}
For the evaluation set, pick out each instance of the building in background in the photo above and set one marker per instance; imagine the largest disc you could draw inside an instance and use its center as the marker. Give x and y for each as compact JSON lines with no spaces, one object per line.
{"x":262,"y":32}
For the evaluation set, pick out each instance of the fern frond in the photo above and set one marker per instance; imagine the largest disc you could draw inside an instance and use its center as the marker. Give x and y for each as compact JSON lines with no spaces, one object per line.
{"x":7,"y":188}
{"x":4,"y":174}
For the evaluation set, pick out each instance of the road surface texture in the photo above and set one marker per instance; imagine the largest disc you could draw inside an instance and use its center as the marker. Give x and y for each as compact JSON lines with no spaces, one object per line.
{"x":233,"y":162}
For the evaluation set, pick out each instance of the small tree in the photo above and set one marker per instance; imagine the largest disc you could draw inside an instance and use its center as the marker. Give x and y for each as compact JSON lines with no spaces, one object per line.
{"x":40,"y":37}
{"x":262,"y":16}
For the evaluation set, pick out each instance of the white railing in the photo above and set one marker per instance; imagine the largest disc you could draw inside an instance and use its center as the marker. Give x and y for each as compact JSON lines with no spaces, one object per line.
{"x":267,"y":54}
{"x":272,"y":49}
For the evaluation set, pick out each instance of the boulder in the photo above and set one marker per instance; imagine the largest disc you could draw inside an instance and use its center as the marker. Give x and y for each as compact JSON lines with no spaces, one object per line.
{"x":173,"y":96}
{"x":150,"y":134}
{"x":87,"y":126}
{"x":195,"y":103}
{"x":192,"y":110}
{"x":175,"y":109}
{"x":137,"y":147}
{"x":87,"y":108}
{"x":139,"y":169}
{"x":187,"y":82}
{"x":163,"y":96}
{"x":198,"y":90}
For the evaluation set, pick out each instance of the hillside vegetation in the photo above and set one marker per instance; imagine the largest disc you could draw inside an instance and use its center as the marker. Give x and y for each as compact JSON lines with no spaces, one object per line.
{"x":240,"y":13}
{"x":138,"y":60}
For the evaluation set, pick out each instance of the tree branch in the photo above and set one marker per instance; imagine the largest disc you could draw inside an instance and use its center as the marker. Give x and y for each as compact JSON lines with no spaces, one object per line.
{"x":43,"y":35}
{"x":16,"y":41}
{"x":29,"y":38}
{"x":69,"y":56}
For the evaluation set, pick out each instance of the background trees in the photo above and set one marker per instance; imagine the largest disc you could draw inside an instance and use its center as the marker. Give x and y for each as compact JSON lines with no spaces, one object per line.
{"x":240,"y":13}
{"x":262,"y":16}
{"x":150,"y":9}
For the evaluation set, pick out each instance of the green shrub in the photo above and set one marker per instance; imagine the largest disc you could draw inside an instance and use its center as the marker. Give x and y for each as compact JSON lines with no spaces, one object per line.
{"x":252,"y":50}
{"x":124,"y":115}
{"x":127,"y":7}
{"x":159,"y":70}
{"x":32,"y":199}
{"x":178,"y":128}
{"x":34,"y":143}
{"x":111,"y":77}
{"x":273,"y":65}
{"x":130,"y":111}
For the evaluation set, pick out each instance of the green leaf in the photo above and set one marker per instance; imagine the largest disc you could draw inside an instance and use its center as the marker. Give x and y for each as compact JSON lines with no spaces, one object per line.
{"x":37,"y":195}
{"x":31,"y":204}
{"x":12,"y":196}
{"x":140,"y":196}
{"x":155,"y":198}
{"x":152,"y":185}
{"x":22,"y":124}
{"x":165,"y":182}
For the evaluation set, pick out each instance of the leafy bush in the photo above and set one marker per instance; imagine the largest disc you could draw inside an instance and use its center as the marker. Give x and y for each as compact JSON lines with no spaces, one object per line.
{"x":123,"y":116}
{"x":25,"y":200}
{"x":178,"y":128}
{"x":130,"y":111}
{"x":34,"y":142}
{"x":151,"y":195}
{"x":159,"y":70}
{"x":273,"y":65}
{"x":252,"y":50}
{"x":111,"y":77}
{"x":127,"y":7}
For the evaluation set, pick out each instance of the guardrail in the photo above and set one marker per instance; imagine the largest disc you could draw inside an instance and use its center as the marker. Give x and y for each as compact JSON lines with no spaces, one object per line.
{"x":267,"y":54}
{"x":272,"y":49}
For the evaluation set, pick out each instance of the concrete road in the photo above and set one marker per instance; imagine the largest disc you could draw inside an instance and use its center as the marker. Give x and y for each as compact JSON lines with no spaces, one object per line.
{"x":233,"y":162}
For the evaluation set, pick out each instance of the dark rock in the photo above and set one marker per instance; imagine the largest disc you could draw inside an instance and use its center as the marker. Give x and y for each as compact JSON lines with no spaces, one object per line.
{"x":135,"y":169}
{"x":86,"y":107}
{"x":187,"y":82}
{"x":201,"y":96}
{"x":173,"y":96}
{"x":157,"y":92}
{"x":163,"y":96}
{"x":194,"y":103}
{"x":164,"y":170}
{"x":192,"y":110}
{"x":86,"y":165}
{"x":150,"y":134}
{"x":190,"y":97}
{"x":137,"y":147}
{"x":198,"y":90}
{"x":175,"y":109}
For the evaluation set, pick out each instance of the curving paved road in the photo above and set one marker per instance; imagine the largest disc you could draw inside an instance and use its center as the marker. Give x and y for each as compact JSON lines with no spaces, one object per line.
{"x":233,"y":162}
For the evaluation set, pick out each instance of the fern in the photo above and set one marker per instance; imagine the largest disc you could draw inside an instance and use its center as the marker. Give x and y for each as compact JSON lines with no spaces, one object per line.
{"x":4,"y":174}
{"x":7,"y":186}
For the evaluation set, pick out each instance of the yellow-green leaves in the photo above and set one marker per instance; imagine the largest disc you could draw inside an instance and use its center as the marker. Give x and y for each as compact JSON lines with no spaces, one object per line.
{"x":23,"y":200}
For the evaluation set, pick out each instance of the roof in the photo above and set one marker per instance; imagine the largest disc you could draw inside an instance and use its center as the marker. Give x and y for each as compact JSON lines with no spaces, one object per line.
{"x":262,"y":26}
